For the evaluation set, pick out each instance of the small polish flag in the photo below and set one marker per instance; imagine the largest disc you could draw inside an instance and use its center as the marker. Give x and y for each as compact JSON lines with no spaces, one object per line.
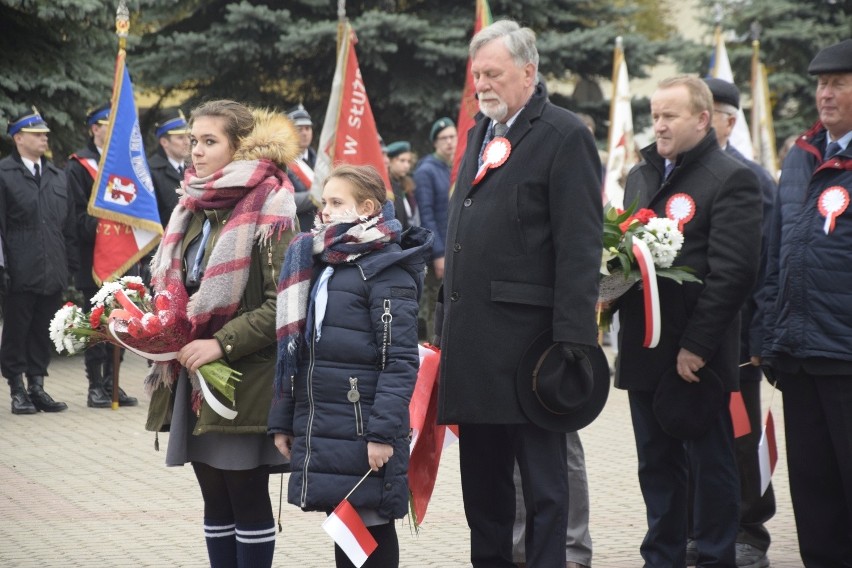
{"x":345,"y":526}
{"x":767,"y":452}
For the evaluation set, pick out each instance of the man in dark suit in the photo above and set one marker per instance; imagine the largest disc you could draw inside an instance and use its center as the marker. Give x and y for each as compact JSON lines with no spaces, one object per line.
{"x":37,"y":224}
{"x":808,"y":320}
{"x":523,"y":256}
{"x":169,"y":161}
{"x":717,"y":201}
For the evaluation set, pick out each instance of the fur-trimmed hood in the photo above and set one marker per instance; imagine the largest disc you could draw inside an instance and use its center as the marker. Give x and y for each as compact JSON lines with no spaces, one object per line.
{"x":274,"y":138}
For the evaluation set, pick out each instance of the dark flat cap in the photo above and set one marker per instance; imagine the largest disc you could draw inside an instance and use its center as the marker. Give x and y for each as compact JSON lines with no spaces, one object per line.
{"x":723,"y":91}
{"x":835,"y":58}
{"x":397,"y":148}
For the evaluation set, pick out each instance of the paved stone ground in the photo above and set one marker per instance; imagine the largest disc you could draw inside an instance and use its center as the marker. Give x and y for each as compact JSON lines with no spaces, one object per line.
{"x":85,"y":488}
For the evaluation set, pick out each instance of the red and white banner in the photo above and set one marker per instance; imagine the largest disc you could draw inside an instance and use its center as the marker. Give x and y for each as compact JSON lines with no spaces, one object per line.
{"x":304,"y":172}
{"x":621,"y":154}
{"x":739,"y":415}
{"x":345,"y":526}
{"x":349,"y":134}
{"x":767,"y":453}
{"x":428,"y":437}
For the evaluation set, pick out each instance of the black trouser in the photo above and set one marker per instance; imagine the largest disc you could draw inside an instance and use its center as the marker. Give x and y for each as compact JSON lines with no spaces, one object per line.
{"x":487,"y":454}
{"x":665,"y":464}
{"x":818,"y":431}
{"x":25,"y":347}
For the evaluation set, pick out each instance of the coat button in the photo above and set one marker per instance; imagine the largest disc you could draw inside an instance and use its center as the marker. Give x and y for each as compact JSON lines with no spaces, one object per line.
{"x":457,"y":247}
{"x":454,"y":296}
{"x":468,"y":202}
{"x":228,"y":348}
{"x":388,"y":486}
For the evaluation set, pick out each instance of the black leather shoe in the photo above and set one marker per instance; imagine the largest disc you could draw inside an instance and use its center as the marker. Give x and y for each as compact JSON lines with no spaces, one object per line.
{"x":41,"y":400}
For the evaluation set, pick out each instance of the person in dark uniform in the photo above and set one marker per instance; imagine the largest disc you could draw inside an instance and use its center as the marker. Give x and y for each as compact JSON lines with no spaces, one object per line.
{"x":82,"y":169}
{"x":169,"y":161}
{"x":37,"y":224}
{"x":808,"y":321}
{"x":301,"y":171}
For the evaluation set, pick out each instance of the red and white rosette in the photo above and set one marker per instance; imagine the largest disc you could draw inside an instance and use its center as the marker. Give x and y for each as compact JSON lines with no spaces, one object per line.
{"x":831,"y":204}
{"x":680,"y":208}
{"x":650,"y":292}
{"x":495,"y":155}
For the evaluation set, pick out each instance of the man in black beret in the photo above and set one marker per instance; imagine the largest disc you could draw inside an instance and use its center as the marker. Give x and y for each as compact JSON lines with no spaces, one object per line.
{"x":808,"y":322}
{"x":37,"y":224}
{"x":756,"y":507}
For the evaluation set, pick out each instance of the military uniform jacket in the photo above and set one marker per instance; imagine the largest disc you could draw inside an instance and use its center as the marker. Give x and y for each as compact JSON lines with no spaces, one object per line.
{"x":166,"y":181}
{"x":37,"y":224}
{"x":80,"y":184}
{"x":523,"y":252}
{"x":721,"y":244}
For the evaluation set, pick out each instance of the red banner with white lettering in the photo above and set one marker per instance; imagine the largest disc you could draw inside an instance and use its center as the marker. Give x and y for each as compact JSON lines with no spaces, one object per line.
{"x":349,"y":134}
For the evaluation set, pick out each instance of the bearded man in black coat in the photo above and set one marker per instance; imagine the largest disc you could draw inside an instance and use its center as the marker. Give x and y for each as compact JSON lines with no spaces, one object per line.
{"x":523,"y":258}
{"x":716,"y":199}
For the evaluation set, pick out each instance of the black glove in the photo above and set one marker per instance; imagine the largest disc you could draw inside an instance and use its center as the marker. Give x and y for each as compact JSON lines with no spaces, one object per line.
{"x":573,"y":351}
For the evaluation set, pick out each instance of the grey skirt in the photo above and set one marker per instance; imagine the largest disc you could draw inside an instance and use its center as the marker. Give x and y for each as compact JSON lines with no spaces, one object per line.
{"x":222,"y":451}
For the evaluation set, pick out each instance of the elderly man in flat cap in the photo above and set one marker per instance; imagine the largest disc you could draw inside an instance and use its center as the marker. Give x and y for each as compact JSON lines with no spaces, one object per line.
{"x":37,"y":224}
{"x":808,"y":342}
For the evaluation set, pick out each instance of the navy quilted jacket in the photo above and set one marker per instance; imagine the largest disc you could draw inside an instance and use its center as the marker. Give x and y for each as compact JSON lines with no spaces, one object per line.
{"x":808,"y":289}
{"x":331,"y":423}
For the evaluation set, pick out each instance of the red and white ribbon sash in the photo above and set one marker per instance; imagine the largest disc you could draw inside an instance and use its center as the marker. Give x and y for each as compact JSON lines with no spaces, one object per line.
{"x":304,"y":172}
{"x":650,"y":292}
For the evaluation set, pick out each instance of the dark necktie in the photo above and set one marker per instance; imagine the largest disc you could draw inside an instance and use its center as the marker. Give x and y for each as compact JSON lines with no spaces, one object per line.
{"x":500,"y":129}
{"x":669,"y":168}
{"x":832,"y":149}
{"x":37,"y":173}
{"x":181,"y":169}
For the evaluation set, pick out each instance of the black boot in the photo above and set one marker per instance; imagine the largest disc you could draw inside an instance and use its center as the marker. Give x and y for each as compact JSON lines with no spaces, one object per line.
{"x":97,"y":398}
{"x":21,"y":403}
{"x":123,"y":398}
{"x":42,"y":400}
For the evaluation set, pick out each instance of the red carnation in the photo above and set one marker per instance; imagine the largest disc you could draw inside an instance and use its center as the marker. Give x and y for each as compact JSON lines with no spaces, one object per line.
{"x":645,"y":215}
{"x":95,"y":317}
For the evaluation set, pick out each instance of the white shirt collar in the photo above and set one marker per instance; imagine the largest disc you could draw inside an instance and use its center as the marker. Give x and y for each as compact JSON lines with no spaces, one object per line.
{"x":30,"y":164}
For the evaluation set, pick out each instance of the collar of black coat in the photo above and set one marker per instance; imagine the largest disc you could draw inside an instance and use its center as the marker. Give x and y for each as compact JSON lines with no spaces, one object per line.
{"x":707,"y":144}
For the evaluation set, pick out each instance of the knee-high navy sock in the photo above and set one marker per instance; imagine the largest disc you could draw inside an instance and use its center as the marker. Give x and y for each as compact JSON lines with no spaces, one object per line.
{"x":221,"y":543}
{"x":255,"y":544}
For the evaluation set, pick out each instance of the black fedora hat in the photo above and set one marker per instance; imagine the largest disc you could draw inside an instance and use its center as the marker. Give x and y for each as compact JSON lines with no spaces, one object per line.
{"x":687,"y":410}
{"x":557,"y":395}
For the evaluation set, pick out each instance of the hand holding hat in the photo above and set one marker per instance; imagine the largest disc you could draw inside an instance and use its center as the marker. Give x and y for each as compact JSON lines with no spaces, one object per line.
{"x":574,"y":351}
